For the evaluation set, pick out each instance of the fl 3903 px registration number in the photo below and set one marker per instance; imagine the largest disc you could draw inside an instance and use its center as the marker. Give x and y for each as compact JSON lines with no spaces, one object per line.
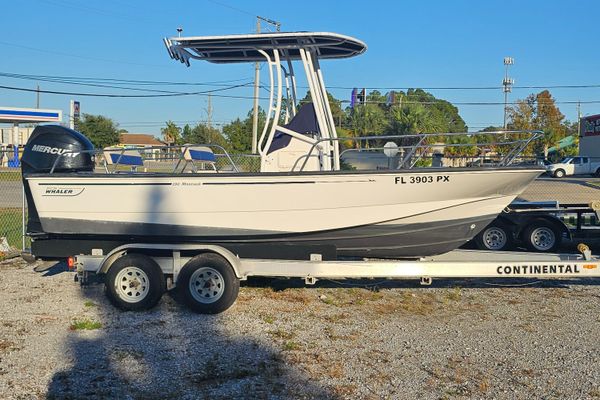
{"x":416,"y":179}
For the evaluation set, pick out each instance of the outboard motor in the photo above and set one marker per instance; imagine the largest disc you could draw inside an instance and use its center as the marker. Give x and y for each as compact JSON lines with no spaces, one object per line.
{"x":49,"y":142}
{"x":45,"y":145}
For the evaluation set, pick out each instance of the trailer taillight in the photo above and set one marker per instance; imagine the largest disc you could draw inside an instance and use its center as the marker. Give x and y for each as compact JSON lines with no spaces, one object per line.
{"x":71,"y":263}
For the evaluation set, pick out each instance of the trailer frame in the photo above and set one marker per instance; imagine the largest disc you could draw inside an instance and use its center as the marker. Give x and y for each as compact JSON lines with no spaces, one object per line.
{"x":519,"y":219}
{"x":173,"y":259}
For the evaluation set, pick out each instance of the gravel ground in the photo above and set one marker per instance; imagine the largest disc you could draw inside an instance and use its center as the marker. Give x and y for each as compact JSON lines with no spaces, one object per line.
{"x":455,"y":339}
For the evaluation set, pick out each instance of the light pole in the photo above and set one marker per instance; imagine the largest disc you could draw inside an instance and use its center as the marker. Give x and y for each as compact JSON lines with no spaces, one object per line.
{"x":507,"y":83}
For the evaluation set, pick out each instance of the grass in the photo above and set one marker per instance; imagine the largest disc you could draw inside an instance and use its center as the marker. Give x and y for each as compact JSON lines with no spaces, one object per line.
{"x":348,"y":297}
{"x":85,"y":325}
{"x":269,"y":319}
{"x":10,"y":176}
{"x":291,"y":346}
{"x":281,"y":334}
{"x":89,"y":304}
{"x":11,"y":226}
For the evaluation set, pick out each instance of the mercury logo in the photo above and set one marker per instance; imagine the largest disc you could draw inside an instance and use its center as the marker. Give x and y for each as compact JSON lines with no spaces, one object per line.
{"x":40,"y":148}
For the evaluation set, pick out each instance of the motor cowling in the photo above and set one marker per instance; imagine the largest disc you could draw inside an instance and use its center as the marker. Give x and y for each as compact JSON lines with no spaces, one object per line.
{"x":48,"y":143}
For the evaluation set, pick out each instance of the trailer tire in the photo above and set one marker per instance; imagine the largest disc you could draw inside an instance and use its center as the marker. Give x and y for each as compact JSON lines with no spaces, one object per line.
{"x":208,"y":284}
{"x":135,"y":282}
{"x":497,"y":236}
{"x":542,"y":236}
{"x":559,"y":173}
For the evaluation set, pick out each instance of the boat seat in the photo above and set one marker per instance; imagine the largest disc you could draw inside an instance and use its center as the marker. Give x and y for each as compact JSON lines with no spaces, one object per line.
{"x":304,"y":122}
{"x":202,"y":155}
{"x":133,"y":158}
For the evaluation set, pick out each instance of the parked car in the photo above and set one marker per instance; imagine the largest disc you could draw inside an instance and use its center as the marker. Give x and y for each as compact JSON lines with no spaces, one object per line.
{"x":574,"y":166}
{"x":481,"y":162}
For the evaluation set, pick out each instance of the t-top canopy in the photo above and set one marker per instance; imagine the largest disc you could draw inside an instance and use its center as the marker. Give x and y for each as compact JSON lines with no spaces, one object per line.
{"x":245,"y":48}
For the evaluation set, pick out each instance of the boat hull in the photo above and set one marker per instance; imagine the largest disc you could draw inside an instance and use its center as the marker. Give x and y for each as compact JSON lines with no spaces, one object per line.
{"x":405,"y":214}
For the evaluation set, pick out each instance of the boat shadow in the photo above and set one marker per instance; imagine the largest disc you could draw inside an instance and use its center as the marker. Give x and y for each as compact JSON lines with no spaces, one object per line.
{"x":171,"y":353}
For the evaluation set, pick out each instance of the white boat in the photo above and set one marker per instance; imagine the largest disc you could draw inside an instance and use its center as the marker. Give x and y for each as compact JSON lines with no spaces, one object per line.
{"x":301,"y":202}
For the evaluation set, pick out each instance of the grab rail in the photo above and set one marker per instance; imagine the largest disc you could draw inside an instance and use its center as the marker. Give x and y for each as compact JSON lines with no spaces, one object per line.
{"x":422,"y":139}
{"x":143,"y":150}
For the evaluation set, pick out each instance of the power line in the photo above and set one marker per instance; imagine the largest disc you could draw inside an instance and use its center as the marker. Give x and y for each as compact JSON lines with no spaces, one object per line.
{"x":207,"y":92}
{"x":68,"y":79}
{"x":81,"y":57}
{"x":218,"y":83}
{"x":475,"y":103}
{"x":113,"y":95}
{"x":592,"y":86}
{"x":232,"y":7}
{"x":72,"y":82}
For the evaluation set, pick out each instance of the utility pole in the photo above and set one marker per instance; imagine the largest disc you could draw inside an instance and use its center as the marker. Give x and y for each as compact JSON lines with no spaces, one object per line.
{"x":578,"y":118}
{"x":209,"y":111}
{"x":255,"y":112}
{"x":37,"y":97}
{"x":507,"y":83}
{"x":257,"y":83}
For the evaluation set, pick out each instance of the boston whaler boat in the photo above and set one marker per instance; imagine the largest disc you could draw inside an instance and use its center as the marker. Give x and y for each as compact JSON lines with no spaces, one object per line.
{"x":301,"y":202}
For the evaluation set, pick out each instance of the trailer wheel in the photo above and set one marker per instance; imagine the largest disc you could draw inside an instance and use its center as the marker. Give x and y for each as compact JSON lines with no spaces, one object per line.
{"x":559,"y":173}
{"x":135,"y":282}
{"x":542,"y":236}
{"x":496,"y":236}
{"x":208,"y":284}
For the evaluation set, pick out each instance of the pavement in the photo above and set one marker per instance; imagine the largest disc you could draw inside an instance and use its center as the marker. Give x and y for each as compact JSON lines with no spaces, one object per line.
{"x":11,"y":194}
{"x":564,"y":190}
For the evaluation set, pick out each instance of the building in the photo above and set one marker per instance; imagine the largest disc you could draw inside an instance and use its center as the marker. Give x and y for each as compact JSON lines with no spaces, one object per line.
{"x":589,"y":136}
{"x":141,"y":140}
{"x":13,"y":138}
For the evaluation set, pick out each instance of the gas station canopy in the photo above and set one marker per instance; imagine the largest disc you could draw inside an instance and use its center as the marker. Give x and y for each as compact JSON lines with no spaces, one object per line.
{"x":22,"y":115}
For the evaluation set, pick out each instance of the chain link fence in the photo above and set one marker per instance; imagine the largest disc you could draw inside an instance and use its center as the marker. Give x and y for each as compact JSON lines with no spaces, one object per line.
{"x":11,"y":203}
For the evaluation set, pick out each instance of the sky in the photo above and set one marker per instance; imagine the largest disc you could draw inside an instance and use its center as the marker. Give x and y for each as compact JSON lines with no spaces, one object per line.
{"x":425,"y":43}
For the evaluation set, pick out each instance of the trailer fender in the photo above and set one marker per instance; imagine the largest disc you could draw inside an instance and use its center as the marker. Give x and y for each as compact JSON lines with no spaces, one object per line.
{"x":521,"y":221}
{"x":554,"y":221}
{"x":117,"y":252}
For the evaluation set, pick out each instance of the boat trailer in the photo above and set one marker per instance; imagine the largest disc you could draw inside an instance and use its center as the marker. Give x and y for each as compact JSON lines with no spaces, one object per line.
{"x":208,"y":276}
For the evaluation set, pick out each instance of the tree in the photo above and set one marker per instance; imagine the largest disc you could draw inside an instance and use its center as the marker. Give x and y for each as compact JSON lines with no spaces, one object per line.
{"x":239,"y":136}
{"x":101,"y":131}
{"x":368,"y":120}
{"x":339,"y":116}
{"x":187,"y":132}
{"x":239,"y":132}
{"x":539,"y":112}
{"x":171,"y":133}
{"x":420,"y":111}
{"x":411,"y":118}
{"x":202,"y":133}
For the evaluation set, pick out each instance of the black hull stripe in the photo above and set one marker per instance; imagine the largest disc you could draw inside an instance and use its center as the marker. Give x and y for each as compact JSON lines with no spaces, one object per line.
{"x":401,"y":240}
{"x":107,"y":184}
{"x":259,"y":183}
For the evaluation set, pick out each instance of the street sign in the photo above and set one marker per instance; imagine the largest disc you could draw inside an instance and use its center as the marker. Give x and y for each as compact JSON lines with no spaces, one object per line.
{"x":75,"y":114}
{"x":390,"y":149}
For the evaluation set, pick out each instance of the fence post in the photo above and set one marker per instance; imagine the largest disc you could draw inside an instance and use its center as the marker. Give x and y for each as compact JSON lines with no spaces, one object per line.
{"x":23,"y":219}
